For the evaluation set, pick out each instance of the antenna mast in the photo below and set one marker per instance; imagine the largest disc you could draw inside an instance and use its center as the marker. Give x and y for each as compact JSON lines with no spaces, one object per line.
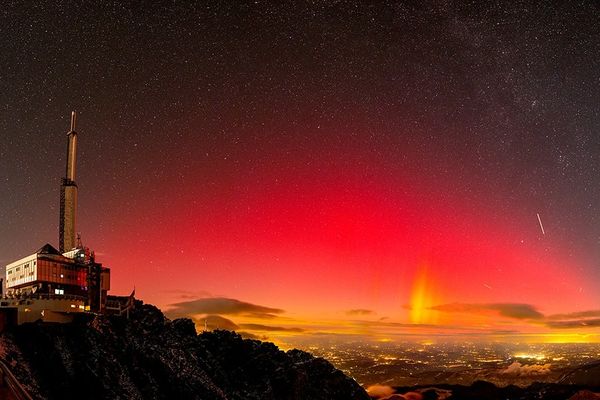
{"x":68,"y":194}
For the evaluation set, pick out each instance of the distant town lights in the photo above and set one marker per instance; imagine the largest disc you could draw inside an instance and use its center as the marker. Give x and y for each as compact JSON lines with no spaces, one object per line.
{"x":530,"y":356}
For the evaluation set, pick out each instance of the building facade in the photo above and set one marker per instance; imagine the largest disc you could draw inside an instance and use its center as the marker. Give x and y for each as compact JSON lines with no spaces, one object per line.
{"x":48,"y":273}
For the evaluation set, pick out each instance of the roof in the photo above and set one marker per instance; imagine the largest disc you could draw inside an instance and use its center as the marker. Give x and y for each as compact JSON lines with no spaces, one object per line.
{"x":48,"y":249}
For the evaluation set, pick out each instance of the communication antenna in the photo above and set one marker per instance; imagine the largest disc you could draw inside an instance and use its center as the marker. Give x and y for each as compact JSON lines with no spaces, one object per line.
{"x":73,"y":121}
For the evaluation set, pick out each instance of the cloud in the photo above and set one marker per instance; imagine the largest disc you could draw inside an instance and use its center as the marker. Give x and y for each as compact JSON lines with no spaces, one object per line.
{"x":248,"y":335}
{"x":265,"y":315}
{"x":519,"y":370}
{"x":510,"y":310}
{"x":268,"y":328}
{"x":360,"y":311}
{"x":384,"y":392}
{"x":576,"y":323}
{"x":216,"y":322}
{"x":380,"y":391}
{"x":223,"y":306}
{"x":579,"y":319}
{"x":585,"y":395}
{"x":186,"y":294}
{"x":406,"y":396}
{"x":575,"y":315}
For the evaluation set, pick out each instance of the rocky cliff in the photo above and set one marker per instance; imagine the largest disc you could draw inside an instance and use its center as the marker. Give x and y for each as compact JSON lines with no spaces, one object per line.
{"x":149,"y":357}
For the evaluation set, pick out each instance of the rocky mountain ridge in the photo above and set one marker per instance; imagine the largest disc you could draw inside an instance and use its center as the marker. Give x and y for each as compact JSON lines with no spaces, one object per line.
{"x":150,"y":357}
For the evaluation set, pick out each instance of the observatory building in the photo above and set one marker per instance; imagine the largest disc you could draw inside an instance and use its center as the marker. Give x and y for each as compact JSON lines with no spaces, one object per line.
{"x":53,"y":285}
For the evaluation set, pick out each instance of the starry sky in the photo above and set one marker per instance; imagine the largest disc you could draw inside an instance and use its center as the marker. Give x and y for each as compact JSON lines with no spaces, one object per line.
{"x":317,"y":167}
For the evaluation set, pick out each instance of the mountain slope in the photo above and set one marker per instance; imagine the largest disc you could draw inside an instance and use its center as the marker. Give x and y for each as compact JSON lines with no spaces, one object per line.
{"x":150,"y":357}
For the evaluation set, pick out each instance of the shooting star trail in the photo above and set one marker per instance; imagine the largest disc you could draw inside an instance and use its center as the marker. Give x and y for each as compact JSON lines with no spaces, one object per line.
{"x":541,"y":225}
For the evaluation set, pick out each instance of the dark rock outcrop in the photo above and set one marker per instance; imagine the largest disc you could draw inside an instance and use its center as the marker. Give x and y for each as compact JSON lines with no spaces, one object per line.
{"x":149,"y":357}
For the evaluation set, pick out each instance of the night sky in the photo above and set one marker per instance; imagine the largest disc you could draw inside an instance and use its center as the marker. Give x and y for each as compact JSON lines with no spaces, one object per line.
{"x":320,"y":166}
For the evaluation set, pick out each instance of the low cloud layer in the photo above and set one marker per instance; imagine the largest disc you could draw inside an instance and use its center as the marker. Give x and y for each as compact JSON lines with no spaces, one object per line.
{"x":516,"y":369}
{"x":509,"y":310}
{"x":577,"y":323}
{"x":221,"y":312}
{"x":223,"y":306}
{"x":385,"y":392}
{"x":268,"y":328}
{"x":575,"y":315}
{"x":380,"y":391}
{"x":580,"y":319}
{"x":360,"y":311}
